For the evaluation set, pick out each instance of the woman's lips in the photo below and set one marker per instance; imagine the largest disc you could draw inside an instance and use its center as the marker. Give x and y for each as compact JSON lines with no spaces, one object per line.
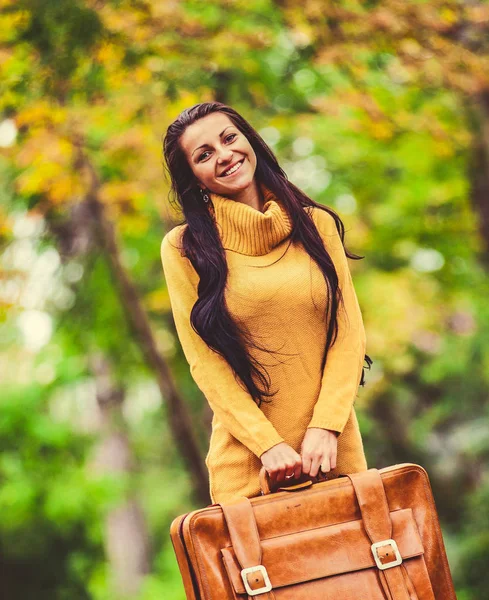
{"x":234,"y":172}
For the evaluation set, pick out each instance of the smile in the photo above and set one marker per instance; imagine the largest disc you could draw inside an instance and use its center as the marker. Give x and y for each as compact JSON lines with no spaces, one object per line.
{"x":234,"y":170}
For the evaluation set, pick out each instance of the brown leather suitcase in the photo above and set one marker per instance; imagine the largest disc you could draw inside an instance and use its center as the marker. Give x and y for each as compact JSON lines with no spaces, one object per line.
{"x":373,"y":535}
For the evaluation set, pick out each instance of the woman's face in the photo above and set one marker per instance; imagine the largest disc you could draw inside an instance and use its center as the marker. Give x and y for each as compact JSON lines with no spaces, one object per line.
{"x":213,"y":145}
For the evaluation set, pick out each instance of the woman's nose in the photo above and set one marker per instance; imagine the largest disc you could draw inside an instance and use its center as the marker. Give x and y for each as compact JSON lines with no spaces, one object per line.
{"x":226,"y":155}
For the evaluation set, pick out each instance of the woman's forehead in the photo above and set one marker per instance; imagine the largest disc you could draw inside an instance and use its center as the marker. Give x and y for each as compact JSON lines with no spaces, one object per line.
{"x":204,"y":131}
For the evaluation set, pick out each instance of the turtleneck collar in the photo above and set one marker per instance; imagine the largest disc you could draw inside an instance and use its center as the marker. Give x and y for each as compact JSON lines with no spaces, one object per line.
{"x":247,"y":230}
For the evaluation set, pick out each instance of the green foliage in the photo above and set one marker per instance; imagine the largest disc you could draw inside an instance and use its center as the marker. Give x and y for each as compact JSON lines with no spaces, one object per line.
{"x":50,"y":535}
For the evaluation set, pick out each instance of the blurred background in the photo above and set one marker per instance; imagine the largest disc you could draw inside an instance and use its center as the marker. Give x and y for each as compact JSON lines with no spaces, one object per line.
{"x":379,"y":109}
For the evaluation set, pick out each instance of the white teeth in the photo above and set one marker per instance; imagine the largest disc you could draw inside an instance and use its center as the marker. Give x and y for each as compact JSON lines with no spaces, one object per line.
{"x":235,"y":168}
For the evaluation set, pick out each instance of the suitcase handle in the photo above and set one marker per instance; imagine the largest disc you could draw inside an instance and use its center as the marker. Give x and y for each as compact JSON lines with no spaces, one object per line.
{"x":289,"y":485}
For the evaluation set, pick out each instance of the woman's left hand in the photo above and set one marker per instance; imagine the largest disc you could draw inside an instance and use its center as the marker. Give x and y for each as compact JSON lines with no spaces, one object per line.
{"x":318,"y":449}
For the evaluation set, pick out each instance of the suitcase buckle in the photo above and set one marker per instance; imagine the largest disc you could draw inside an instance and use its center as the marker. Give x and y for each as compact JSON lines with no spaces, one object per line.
{"x":397,"y":554}
{"x":265,"y":588}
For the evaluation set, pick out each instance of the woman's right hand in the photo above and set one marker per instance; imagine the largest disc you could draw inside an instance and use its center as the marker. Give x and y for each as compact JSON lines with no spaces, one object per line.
{"x":281,"y":460}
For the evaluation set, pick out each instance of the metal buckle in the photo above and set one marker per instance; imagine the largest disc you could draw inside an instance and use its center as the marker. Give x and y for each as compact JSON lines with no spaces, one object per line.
{"x":388,"y":565}
{"x":266,"y":588}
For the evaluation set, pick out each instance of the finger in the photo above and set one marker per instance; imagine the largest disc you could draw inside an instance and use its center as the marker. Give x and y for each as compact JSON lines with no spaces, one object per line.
{"x":333,"y":460}
{"x":281,"y":474}
{"x":306,"y":464}
{"x":325,"y":465}
{"x":271,"y":478}
{"x":316,"y":462}
{"x":293,"y":469}
{"x":289,"y":471}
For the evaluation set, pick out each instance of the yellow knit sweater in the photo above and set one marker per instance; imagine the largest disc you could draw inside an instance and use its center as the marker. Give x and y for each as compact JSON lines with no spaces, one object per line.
{"x":283,"y":307}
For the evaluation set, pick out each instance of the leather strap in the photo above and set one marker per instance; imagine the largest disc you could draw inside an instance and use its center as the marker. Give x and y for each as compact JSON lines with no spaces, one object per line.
{"x":372,"y":501}
{"x":241,"y":523}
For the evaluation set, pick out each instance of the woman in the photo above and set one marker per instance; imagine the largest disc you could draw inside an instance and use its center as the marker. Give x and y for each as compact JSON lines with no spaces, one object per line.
{"x":264,"y":307}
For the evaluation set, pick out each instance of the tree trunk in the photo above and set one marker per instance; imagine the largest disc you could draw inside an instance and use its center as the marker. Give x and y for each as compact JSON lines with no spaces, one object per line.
{"x":88,"y":229}
{"x":479,"y":168}
{"x":126,"y":538}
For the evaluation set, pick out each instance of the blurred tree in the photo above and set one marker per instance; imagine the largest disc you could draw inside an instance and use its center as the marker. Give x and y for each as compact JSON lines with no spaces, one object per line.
{"x":126,"y":539}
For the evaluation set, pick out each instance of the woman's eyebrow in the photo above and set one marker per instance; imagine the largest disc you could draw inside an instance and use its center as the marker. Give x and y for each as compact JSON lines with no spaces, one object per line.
{"x":220,"y":135}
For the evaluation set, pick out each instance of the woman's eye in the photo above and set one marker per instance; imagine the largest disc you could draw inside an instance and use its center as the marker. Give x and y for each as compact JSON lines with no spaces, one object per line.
{"x":232,"y":135}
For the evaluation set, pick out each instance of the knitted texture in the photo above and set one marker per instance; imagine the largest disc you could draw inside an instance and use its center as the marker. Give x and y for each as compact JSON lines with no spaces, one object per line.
{"x":278,"y":293}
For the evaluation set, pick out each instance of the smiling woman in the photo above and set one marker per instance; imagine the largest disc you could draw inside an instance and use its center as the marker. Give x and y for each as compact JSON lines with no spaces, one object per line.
{"x":222,"y":159}
{"x":262,"y":298}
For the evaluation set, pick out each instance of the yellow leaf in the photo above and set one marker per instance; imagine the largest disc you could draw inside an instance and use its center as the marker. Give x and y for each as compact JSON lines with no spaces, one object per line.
{"x":448,"y":15}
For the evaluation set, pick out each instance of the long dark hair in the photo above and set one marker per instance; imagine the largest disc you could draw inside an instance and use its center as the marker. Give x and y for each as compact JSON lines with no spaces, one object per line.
{"x":202,"y":246}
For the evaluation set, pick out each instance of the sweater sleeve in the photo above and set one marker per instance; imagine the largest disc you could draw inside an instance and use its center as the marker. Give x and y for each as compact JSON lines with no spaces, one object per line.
{"x":232,"y":405}
{"x":343,"y":369}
